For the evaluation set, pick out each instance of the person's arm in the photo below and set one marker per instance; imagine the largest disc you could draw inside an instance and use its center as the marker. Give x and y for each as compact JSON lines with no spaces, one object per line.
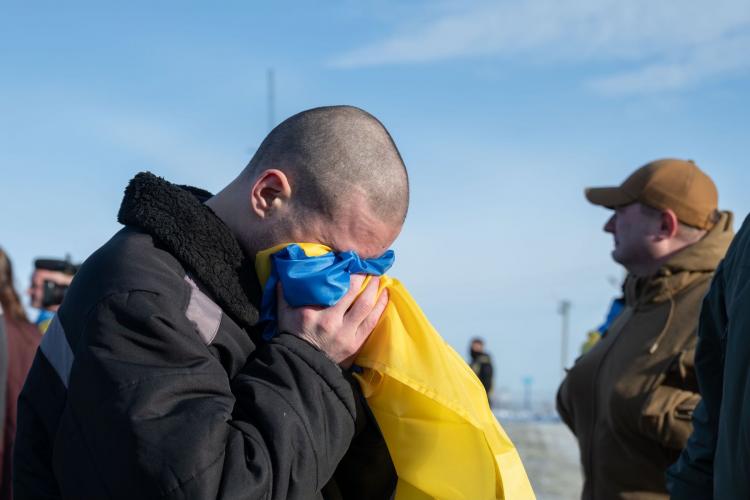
{"x":154,"y":412}
{"x":563,"y":405}
{"x":366,"y":472}
{"x":692,"y":475}
{"x":667,"y":413}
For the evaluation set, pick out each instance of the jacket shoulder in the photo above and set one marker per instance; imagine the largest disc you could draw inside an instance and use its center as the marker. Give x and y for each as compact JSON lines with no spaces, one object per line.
{"x":130,"y":260}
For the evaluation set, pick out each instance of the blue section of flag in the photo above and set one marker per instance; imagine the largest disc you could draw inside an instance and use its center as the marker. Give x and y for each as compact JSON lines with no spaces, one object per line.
{"x":314,"y":281}
{"x":44,"y":319}
{"x":614,"y":311}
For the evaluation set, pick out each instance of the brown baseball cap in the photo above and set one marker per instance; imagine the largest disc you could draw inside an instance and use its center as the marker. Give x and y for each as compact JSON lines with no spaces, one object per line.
{"x":668,"y":183}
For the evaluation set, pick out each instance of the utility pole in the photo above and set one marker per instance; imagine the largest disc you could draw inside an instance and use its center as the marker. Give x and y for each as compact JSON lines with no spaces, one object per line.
{"x":527,"y":383}
{"x":564,"y":311}
{"x":271,"y":88}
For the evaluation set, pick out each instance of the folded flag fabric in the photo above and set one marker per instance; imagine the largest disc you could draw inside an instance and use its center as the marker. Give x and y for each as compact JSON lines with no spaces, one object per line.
{"x":431,"y":408}
{"x":322,"y":280}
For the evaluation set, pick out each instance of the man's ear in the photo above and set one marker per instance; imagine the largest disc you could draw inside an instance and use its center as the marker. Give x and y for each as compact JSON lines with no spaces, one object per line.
{"x":270,"y":192}
{"x":669,"y":224}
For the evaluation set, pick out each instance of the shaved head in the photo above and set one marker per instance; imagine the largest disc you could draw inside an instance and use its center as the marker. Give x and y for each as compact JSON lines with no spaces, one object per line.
{"x":333,"y":154}
{"x":329,"y":175}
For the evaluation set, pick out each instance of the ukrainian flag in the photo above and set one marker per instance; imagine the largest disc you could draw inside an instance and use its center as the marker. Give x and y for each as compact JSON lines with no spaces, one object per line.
{"x":433,"y":412}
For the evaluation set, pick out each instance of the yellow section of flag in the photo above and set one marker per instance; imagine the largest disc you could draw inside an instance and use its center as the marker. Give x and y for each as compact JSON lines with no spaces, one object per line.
{"x":444,"y":440}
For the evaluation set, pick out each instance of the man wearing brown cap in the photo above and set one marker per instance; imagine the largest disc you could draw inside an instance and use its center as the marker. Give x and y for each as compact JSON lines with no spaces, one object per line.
{"x":629,"y":400}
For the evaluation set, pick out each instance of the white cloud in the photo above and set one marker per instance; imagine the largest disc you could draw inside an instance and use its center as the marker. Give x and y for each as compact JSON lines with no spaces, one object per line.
{"x":679,"y":41}
{"x":720,"y":58}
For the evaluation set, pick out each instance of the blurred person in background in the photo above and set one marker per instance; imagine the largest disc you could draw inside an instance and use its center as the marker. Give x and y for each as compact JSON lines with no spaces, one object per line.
{"x":630,"y":399}
{"x":22,"y":340}
{"x":3,"y":386}
{"x":716,"y":460}
{"x":481,"y":363}
{"x":49,"y":282}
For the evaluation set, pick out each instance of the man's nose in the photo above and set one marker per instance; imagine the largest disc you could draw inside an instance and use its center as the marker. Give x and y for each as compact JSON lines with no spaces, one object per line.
{"x":609,"y":227}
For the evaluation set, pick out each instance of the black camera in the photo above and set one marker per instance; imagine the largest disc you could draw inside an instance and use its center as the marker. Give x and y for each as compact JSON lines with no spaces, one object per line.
{"x":53,"y":293}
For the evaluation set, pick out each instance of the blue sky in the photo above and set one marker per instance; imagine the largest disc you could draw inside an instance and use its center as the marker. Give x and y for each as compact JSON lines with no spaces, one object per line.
{"x":504,"y":111}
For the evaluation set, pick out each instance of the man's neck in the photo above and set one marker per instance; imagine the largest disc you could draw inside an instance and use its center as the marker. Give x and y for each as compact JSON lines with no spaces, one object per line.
{"x":224,"y":205}
{"x":651,"y":268}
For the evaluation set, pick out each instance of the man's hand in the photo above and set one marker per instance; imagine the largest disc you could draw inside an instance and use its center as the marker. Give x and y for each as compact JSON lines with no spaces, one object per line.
{"x":341,"y":330}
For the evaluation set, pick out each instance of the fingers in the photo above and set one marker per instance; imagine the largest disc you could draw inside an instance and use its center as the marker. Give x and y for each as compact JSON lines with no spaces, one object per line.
{"x":355,"y":285}
{"x":368,"y":325}
{"x":341,"y":330}
{"x":362,"y":333}
{"x":364,"y":303}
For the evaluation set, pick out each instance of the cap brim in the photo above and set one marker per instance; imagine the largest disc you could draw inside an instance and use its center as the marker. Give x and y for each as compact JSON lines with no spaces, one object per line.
{"x":609,"y":197}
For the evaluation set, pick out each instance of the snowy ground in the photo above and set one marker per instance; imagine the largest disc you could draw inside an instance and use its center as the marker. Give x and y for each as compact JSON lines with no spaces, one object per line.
{"x":550,"y":455}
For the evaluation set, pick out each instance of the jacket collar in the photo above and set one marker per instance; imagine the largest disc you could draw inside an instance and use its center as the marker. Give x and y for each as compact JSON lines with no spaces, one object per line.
{"x":685,"y":268}
{"x":178,"y":220}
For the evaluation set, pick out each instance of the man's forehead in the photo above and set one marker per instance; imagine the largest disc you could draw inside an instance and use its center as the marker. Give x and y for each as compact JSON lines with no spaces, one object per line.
{"x":365,"y":249}
{"x":626,"y":206}
{"x":367,"y":242}
{"x":634,"y":207}
{"x":360,"y":232}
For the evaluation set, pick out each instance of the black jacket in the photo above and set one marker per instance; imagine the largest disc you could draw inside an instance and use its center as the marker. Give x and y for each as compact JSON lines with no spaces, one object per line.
{"x":716,"y":461}
{"x":152,"y":382}
{"x":481,"y":364}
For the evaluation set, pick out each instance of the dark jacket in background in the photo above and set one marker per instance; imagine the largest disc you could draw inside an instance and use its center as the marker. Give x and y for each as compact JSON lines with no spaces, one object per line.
{"x":481,"y":364}
{"x":716,"y":461}
{"x":22,"y":341}
{"x":629,"y":400}
{"x":152,"y":381}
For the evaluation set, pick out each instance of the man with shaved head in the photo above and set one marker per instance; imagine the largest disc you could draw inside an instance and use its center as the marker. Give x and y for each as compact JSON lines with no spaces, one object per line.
{"x":153,"y":379}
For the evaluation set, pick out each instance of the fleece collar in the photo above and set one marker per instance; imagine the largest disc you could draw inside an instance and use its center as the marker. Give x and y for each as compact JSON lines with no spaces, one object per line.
{"x":178,"y":220}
